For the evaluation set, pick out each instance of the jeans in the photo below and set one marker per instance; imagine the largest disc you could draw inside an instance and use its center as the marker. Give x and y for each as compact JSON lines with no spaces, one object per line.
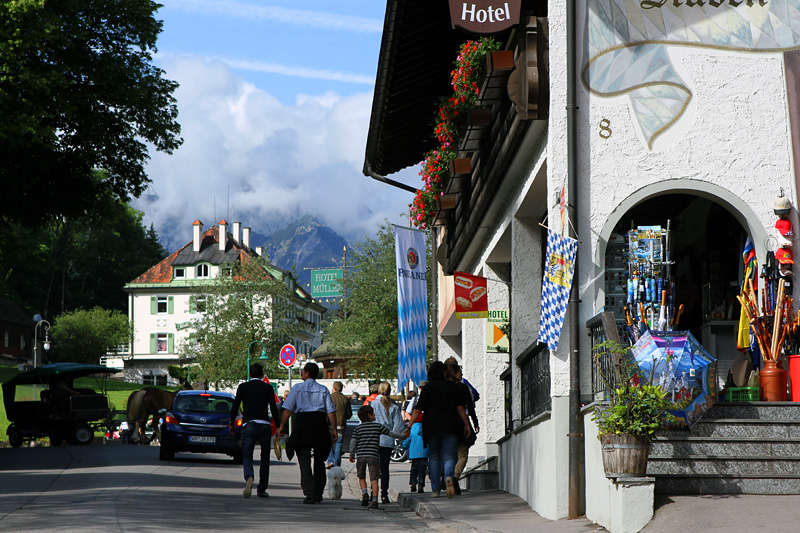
{"x":419,"y":468}
{"x":385,"y":459}
{"x":252,"y":433}
{"x":335,"y":457}
{"x":442,"y":450}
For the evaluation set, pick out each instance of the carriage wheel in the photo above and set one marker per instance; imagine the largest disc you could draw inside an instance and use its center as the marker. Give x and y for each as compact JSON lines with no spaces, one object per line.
{"x":82,"y":433}
{"x":14,"y":436}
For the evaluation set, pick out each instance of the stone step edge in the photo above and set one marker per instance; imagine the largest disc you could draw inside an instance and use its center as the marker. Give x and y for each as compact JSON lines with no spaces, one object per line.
{"x":722,"y":458}
{"x":680,"y":438}
{"x":746,"y":421}
{"x":725,"y":476}
{"x":759,"y":404}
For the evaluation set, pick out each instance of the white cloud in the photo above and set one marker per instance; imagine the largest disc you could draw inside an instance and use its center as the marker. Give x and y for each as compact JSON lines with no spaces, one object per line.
{"x":299,"y":17}
{"x":272,"y":162}
{"x":300,"y":72}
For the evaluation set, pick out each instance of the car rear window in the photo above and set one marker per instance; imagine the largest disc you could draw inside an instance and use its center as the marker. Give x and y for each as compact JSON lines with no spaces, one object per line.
{"x":203,"y":404}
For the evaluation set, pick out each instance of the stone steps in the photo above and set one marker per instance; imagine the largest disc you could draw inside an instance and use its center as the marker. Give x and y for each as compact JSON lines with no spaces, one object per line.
{"x":736,"y":448}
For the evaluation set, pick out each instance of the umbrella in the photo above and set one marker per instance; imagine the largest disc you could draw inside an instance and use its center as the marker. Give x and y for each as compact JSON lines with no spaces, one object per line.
{"x":682,"y":367}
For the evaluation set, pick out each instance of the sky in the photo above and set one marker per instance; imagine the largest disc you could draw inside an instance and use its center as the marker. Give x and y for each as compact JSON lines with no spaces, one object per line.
{"x":274,"y":104}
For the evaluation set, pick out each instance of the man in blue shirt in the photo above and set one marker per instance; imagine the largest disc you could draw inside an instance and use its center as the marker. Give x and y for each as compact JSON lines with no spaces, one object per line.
{"x":314,"y":410}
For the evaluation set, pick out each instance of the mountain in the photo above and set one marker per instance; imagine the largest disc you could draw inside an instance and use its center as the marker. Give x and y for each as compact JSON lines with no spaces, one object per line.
{"x":305,"y":243}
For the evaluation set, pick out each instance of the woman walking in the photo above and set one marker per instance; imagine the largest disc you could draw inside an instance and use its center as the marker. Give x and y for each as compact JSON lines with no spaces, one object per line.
{"x":443,"y":404}
{"x":387,"y":413}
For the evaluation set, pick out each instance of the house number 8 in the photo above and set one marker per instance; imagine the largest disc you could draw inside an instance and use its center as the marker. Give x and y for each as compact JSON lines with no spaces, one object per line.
{"x":605,"y":130}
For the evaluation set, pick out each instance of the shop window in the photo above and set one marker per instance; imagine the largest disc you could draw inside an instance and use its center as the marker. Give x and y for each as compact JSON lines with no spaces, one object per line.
{"x":148,"y":379}
{"x":534,"y":364}
{"x":161,"y":380}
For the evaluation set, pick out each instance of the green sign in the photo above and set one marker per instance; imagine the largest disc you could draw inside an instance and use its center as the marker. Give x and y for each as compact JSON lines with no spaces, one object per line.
{"x":326,"y":283}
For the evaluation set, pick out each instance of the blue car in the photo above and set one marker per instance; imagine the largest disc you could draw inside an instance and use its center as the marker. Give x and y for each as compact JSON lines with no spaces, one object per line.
{"x":198,"y":422}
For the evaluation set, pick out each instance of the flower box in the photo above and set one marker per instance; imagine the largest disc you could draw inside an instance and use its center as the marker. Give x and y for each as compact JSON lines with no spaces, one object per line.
{"x":460,"y":167}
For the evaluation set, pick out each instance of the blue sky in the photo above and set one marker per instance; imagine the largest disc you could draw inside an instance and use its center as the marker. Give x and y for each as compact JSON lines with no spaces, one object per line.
{"x":274,"y":101}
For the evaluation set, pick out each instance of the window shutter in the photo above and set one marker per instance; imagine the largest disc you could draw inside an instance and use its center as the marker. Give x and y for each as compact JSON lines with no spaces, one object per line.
{"x":171,"y":342}
{"x":152,"y":343}
{"x":192,"y":304}
{"x":171,"y":305}
{"x":153,"y":305}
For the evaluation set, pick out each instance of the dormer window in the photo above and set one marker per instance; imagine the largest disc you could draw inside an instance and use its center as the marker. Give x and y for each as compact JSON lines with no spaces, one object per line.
{"x":202,"y":271}
{"x":180,"y":273}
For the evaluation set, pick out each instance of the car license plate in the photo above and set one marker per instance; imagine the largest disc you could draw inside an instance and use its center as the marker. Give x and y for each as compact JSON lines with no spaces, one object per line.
{"x":205,"y":440}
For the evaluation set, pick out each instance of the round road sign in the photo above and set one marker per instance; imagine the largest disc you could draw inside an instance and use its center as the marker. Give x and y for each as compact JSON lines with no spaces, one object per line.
{"x":288,"y":355}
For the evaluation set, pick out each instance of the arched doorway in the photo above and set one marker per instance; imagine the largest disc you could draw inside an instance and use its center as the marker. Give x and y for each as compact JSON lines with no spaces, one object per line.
{"x":704,"y":252}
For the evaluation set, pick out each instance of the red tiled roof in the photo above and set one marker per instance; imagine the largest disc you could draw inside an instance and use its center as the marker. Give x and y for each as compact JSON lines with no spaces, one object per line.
{"x":162,"y":272}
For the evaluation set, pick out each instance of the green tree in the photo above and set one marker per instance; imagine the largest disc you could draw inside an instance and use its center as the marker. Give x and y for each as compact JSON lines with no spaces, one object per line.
{"x":367,"y":323}
{"x":77,"y":262}
{"x":85,"y":336}
{"x":249,"y":302}
{"x":78,"y":92}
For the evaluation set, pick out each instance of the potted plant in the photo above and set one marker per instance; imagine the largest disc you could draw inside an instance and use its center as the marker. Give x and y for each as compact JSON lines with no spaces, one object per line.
{"x":633,"y":411}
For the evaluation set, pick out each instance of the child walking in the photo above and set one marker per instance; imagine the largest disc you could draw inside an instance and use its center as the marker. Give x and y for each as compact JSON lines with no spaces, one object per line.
{"x":418,"y":453}
{"x":366,"y":446}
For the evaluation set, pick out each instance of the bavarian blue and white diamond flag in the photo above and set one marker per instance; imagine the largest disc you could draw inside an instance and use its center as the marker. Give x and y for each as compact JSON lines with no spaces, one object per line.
{"x":412,"y":305}
{"x":556,"y":285}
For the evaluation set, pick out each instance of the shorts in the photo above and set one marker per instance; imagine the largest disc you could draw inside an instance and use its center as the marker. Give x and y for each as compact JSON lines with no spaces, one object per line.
{"x":361,"y":468}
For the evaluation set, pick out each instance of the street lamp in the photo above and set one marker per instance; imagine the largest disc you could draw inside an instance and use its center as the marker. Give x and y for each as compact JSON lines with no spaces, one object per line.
{"x":46,"y":344}
{"x":262,"y":356}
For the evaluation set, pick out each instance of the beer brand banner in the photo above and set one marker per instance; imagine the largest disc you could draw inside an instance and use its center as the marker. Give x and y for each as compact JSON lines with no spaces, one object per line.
{"x":470,"y":295}
{"x":556,"y":285}
{"x":412,"y":305}
{"x":627,"y":42}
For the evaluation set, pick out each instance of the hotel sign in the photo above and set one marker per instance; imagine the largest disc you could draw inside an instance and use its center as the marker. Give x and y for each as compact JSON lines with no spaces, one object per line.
{"x":484,"y":16}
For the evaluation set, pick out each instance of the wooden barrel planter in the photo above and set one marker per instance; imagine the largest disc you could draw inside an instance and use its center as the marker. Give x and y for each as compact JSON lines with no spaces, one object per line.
{"x":625,"y":455}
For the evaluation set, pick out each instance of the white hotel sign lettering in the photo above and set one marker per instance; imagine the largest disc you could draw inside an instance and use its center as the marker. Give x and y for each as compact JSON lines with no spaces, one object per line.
{"x":484,"y":16}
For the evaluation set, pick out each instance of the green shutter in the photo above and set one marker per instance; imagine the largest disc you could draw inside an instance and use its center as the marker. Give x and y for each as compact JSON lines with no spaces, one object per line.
{"x":192,"y":339}
{"x":171,"y":305}
{"x":153,"y":305}
{"x":170,"y":342}
{"x":192,"y":304}
{"x":152,"y":343}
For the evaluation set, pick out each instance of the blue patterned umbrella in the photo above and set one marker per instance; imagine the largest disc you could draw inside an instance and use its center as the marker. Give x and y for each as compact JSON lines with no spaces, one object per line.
{"x":682,"y":367}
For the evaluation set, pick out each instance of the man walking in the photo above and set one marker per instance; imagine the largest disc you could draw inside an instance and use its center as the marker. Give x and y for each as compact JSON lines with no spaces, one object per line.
{"x":344,"y":411}
{"x":257,"y":399}
{"x":313,"y":409}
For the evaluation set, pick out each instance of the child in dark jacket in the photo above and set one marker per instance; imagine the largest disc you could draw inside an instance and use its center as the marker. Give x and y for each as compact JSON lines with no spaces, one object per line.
{"x":418,"y":453}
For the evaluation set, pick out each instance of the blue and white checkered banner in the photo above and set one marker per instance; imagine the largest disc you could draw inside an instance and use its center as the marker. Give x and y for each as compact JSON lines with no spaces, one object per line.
{"x":556,"y":286}
{"x":412,"y":305}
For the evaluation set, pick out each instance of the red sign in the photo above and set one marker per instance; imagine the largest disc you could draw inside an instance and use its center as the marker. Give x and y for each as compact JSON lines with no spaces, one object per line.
{"x":470,"y":295}
{"x":484,"y":16}
{"x":288,"y":355}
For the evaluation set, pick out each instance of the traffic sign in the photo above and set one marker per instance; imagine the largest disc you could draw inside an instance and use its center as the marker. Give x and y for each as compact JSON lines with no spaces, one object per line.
{"x":288,"y":355}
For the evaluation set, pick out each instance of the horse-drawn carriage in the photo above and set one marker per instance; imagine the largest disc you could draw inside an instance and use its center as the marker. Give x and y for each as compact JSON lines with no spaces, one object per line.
{"x":43,"y":402}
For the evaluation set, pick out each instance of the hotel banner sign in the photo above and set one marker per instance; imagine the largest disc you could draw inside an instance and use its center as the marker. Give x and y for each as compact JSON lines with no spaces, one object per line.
{"x":484,"y":17}
{"x":326,"y":283}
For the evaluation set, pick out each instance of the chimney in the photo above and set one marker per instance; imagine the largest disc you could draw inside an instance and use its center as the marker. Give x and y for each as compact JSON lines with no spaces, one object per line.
{"x":259,"y":250}
{"x":197,"y":235}
{"x":246,"y":237}
{"x":236,"y":227}
{"x":223,"y":235}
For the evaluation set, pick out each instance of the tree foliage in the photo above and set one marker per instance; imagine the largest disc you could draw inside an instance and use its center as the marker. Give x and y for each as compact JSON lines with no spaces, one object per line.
{"x":367,"y":325}
{"x":85,"y":336}
{"x":77,"y":262}
{"x":250,"y":304}
{"x":79,"y":92}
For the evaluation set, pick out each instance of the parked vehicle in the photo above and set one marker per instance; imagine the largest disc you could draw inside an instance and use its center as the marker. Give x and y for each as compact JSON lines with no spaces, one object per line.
{"x":43,"y":402}
{"x":197,"y":422}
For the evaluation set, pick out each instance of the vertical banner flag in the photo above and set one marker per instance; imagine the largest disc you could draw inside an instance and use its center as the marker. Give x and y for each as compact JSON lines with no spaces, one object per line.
{"x":470,"y":295}
{"x":556,"y":286}
{"x":412,"y":305}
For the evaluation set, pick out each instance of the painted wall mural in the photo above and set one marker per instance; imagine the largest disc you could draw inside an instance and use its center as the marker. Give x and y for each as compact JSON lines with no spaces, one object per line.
{"x":626,"y":46}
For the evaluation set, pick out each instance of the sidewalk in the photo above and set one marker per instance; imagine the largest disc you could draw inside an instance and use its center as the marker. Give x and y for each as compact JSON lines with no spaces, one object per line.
{"x":473,"y":511}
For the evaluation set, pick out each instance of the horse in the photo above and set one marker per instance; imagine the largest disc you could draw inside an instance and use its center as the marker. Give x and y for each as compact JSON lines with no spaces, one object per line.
{"x":143,"y":404}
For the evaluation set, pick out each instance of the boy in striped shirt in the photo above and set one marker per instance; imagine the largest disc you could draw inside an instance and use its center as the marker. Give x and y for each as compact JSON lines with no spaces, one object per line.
{"x":365,"y":444}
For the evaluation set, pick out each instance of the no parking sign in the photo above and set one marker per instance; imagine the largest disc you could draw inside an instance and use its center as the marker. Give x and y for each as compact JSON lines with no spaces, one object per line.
{"x":288,"y":355}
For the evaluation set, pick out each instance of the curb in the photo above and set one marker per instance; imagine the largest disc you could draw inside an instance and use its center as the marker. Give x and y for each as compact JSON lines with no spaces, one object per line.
{"x":421,"y":506}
